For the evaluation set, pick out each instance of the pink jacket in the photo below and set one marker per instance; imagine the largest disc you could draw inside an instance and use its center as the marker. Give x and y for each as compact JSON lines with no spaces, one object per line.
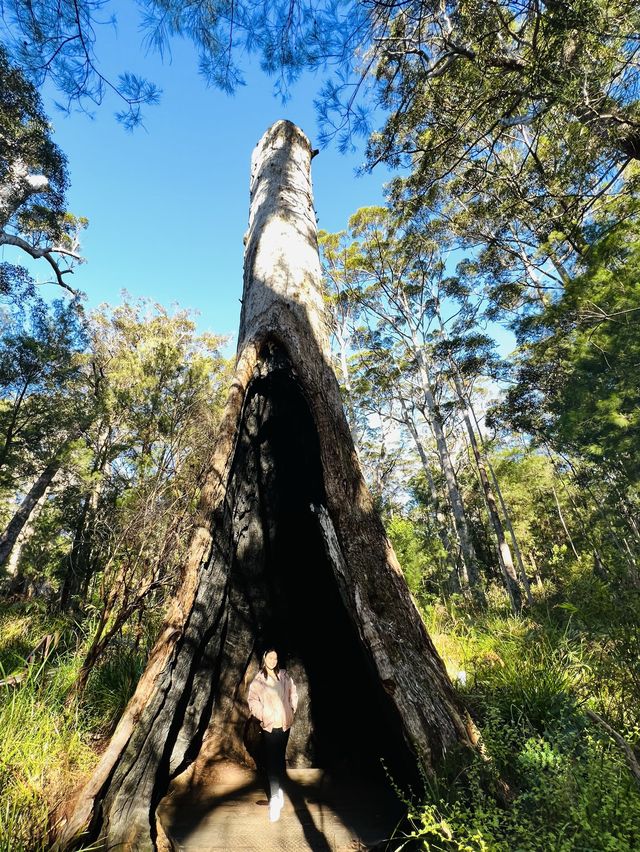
{"x":262,"y":700}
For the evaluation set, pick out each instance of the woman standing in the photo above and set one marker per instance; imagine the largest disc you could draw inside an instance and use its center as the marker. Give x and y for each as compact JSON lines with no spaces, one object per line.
{"x":273,"y":700}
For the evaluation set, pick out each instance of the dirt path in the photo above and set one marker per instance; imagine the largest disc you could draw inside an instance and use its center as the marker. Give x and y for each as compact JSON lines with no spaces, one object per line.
{"x":320,"y":813}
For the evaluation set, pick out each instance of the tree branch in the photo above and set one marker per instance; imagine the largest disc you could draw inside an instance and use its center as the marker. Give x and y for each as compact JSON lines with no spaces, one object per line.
{"x":632,"y":761}
{"x":46,"y":253}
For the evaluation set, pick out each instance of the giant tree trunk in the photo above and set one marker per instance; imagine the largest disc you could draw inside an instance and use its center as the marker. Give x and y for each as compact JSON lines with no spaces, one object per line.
{"x":287,"y":549}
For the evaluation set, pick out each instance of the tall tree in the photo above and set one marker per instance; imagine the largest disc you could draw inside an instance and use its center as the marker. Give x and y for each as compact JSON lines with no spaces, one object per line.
{"x":156,"y":387}
{"x":33,"y":180}
{"x":285,"y":482}
{"x":576,"y":369}
{"x":402,"y":313}
{"x":43,"y":410}
{"x":41,"y":384}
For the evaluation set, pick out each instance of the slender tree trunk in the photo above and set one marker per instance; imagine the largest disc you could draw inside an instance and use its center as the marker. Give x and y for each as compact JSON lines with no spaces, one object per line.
{"x":78,"y":560}
{"x":522,"y":571}
{"x":633,"y":564}
{"x":78,"y":565}
{"x":530,"y":271}
{"x":470,"y":575}
{"x":11,"y":427}
{"x":599,"y":562}
{"x":504,"y":551}
{"x":21,"y":518}
{"x":562,"y":521}
{"x":14,"y":582}
{"x":514,"y":540}
{"x":440,"y":518}
{"x":536,"y":572}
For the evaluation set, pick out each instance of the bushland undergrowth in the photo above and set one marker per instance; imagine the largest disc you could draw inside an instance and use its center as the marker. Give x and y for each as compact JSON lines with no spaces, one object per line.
{"x":528,"y":682}
{"x":50,"y":739}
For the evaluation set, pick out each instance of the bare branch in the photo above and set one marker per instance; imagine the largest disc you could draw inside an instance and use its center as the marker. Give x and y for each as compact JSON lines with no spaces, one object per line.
{"x":47,"y":254}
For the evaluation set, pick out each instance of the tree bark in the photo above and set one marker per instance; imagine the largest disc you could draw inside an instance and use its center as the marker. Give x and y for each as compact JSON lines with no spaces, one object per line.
{"x":17,"y":186}
{"x":562,"y":521}
{"x":514,"y":540}
{"x":536,"y":572}
{"x":470,"y":572}
{"x":440,"y":518}
{"x":10,"y":536}
{"x":15,"y":581}
{"x":78,"y":567}
{"x":286,"y":542}
{"x":504,"y":551}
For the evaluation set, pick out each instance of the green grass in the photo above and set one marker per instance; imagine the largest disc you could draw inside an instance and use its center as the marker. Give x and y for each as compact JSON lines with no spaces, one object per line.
{"x":48,"y":742}
{"x":528,"y":683}
{"x":43,"y":747}
{"x":110,"y":687}
{"x":551,"y":780}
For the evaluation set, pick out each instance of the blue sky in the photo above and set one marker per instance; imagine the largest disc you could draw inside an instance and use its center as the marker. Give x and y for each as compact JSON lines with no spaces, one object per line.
{"x":168,"y":203}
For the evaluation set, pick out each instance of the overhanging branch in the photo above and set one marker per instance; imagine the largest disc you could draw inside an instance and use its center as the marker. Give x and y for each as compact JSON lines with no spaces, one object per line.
{"x":46,"y":253}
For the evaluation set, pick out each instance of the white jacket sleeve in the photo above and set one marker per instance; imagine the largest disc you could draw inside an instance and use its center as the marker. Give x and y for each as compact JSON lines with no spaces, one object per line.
{"x":254,"y":700}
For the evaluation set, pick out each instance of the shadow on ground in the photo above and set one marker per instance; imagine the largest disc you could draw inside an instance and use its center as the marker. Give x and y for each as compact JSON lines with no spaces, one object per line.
{"x":322,"y":812}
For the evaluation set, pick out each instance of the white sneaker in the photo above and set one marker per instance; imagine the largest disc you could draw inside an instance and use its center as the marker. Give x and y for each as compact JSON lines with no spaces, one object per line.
{"x":281,"y":797}
{"x":274,"y":809}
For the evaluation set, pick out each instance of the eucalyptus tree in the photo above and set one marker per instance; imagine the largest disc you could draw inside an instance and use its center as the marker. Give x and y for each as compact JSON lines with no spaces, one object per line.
{"x":402,"y":311}
{"x":43,"y":410}
{"x":284,"y":480}
{"x":574,"y":390}
{"x":33,"y":182}
{"x":155,"y":385}
{"x":488,"y":486}
{"x":524,"y":116}
{"x":399,"y":280}
{"x":340,"y":272}
{"x":385,"y":384}
{"x":576,"y":371}
{"x":40,"y":365}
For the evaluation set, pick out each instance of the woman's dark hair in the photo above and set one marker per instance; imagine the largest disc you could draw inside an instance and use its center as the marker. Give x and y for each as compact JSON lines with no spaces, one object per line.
{"x":263,"y":665}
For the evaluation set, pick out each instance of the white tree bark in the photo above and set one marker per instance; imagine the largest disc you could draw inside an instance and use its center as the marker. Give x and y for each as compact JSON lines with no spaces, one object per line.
{"x":20,"y":519}
{"x":282,"y":270}
{"x":471,"y":574}
{"x":13,"y":560}
{"x":17,"y":186}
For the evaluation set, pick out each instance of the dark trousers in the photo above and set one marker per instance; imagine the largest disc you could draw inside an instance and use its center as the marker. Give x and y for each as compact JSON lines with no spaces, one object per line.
{"x":275,"y":746}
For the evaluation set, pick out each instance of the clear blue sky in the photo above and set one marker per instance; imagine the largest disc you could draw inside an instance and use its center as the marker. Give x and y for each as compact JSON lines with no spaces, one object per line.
{"x":168,"y":203}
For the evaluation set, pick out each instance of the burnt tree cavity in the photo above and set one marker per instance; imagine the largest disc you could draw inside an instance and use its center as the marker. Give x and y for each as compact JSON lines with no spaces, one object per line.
{"x":284,"y":592}
{"x":287,"y":549}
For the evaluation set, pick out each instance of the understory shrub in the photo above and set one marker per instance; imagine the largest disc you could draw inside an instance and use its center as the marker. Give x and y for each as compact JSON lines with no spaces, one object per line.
{"x":48,"y":737}
{"x":550,"y":779}
{"x":568,"y":791}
